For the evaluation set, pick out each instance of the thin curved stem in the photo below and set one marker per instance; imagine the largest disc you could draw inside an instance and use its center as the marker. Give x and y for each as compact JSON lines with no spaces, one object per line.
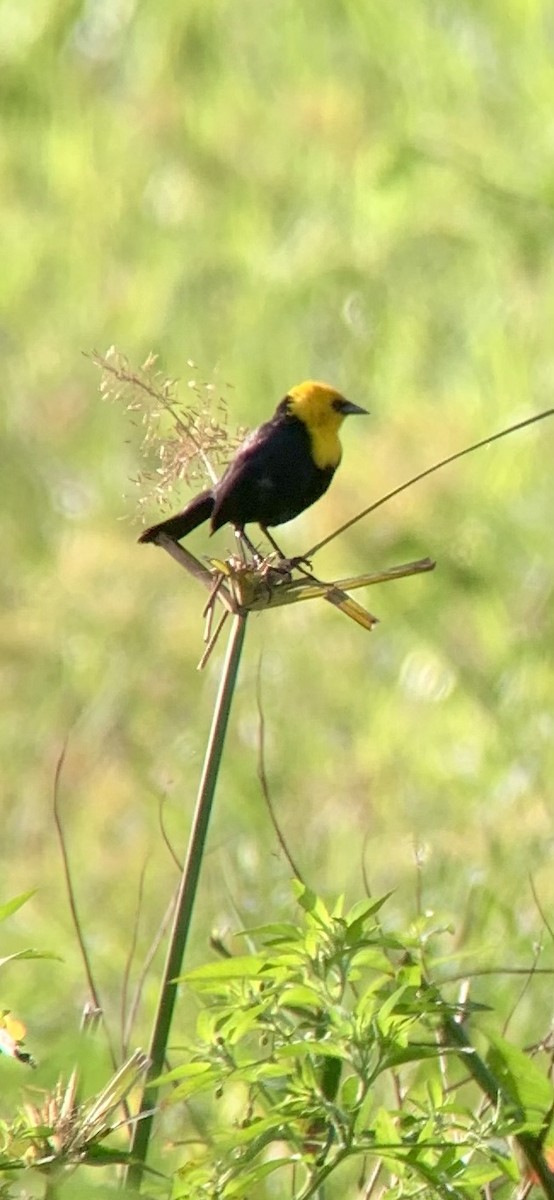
{"x":487,"y":441}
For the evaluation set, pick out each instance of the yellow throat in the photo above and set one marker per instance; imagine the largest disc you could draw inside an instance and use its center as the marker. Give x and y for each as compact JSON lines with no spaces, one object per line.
{"x":314,"y":404}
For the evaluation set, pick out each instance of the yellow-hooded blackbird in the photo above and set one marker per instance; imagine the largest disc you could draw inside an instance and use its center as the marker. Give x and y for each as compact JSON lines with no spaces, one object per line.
{"x":282,"y":467}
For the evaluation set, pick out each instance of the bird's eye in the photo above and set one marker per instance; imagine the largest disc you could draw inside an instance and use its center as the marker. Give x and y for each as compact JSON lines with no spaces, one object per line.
{"x":338,"y":404}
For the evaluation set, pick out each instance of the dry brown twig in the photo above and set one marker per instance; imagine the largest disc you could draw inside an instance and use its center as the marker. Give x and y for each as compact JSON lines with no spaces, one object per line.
{"x":190,"y":441}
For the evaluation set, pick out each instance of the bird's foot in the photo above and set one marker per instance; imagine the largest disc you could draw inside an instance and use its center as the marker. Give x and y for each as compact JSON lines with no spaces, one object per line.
{"x":299,"y":560}
{"x":247,"y":548}
{"x":281,"y":569}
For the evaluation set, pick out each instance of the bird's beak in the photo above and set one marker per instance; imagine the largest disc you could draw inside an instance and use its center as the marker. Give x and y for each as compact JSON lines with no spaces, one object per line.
{"x":347,"y":408}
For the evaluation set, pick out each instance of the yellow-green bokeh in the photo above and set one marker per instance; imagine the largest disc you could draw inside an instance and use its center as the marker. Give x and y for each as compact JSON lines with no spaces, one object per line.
{"x":362,"y":192}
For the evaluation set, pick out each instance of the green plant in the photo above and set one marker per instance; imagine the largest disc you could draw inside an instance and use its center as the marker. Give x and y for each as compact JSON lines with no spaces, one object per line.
{"x":332,"y":1051}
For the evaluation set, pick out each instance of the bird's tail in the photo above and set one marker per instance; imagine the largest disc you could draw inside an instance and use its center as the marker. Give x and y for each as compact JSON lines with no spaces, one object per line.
{"x":184,"y":522}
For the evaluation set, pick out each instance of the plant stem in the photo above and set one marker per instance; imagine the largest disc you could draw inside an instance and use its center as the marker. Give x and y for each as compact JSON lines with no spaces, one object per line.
{"x":185,"y":901}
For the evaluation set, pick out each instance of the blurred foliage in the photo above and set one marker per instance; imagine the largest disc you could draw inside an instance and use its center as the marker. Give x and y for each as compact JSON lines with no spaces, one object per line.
{"x":359,"y":192}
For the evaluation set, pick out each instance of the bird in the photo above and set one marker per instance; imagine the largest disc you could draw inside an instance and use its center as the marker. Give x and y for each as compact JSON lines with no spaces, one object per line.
{"x":282,"y":467}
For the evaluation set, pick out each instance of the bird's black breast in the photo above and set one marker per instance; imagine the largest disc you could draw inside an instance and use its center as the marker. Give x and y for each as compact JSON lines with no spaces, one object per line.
{"x":273,"y":477}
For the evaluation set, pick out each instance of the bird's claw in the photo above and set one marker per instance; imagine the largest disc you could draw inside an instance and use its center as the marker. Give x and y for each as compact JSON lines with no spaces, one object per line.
{"x":283,"y":568}
{"x":299,"y":560}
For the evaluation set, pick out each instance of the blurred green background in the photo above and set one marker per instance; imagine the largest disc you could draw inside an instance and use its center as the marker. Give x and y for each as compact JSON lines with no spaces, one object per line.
{"x":360,"y":192}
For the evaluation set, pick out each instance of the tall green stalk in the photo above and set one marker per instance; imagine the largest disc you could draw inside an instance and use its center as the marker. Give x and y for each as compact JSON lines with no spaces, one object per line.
{"x":185,"y":901}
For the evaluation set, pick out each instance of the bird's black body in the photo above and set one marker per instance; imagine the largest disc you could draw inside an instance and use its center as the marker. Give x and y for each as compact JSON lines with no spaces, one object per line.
{"x":273,"y":477}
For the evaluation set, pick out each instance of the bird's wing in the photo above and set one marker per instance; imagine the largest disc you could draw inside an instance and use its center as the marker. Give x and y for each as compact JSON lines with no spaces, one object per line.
{"x":272,"y":478}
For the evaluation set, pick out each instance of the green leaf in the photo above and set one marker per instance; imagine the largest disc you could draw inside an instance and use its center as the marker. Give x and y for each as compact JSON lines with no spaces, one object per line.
{"x":507,"y":1163}
{"x":479,"y":1175}
{"x":206,"y":1025}
{"x":275,"y":932}
{"x":520,"y":1079}
{"x":358,"y":917}
{"x":386,"y":1129}
{"x":238,"y":1024}
{"x":190,"y":1078}
{"x":396,"y":1056}
{"x":369,"y":1002}
{"x":350,"y":1093}
{"x":312,"y":904}
{"x":313,"y":1050}
{"x":386,"y":1139}
{"x":185,"y":1071}
{"x":435,"y":1091}
{"x":257,"y":1129}
{"x":12,"y":906}
{"x":366,"y":908}
{"x":256,"y":1072}
{"x":374,"y":958}
{"x":387,"y":1010}
{"x":410,"y":975}
{"x":300,"y":996}
{"x":247,"y":1179}
{"x":246,"y":966}
{"x":364,"y":1113}
{"x":30,"y":954}
{"x":191,"y":1087}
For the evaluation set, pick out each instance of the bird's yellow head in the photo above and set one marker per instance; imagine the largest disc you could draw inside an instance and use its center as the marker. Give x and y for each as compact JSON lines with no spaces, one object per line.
{"x":322,"y":410}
